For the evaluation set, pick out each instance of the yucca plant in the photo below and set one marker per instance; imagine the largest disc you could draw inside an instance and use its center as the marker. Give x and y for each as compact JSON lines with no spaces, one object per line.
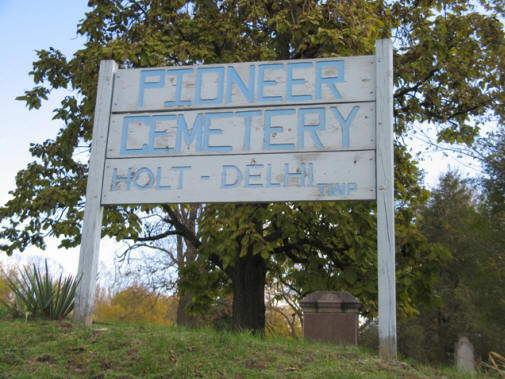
{"x":38,"y":295}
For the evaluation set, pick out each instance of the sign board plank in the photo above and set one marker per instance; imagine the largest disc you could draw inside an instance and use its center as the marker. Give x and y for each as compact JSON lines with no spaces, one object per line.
{"x":246,"y":131}
{"x":329,"y":80}
{"x":241,"y":178}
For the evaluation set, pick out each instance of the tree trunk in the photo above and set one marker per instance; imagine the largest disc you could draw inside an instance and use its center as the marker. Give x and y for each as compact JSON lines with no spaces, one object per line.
{"x":248,"y":278}
{"x":183,"y":318}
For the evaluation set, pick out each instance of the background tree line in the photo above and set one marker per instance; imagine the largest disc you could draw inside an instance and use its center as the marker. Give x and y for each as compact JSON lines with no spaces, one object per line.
{"x":462,"y":220}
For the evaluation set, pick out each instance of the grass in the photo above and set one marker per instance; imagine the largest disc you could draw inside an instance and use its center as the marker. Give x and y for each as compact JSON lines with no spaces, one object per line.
{"x":52,"y":349}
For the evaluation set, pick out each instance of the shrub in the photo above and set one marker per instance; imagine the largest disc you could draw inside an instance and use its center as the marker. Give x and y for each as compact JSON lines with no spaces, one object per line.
{"x":37,"y":294}
{"x":136,"y":304}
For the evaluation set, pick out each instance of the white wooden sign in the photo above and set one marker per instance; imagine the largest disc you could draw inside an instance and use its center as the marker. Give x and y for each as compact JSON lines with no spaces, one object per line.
{"x":301,"y":130}
{"x":310,"y":117}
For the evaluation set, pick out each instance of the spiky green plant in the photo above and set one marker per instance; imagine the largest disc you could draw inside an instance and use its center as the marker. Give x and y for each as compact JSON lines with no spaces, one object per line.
{"x":37,"y":294}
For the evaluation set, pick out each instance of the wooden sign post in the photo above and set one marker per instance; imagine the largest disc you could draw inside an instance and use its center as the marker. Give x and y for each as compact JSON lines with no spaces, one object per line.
{"x":93,"y":211}
{"x":301,"y":130}
{"x":385,"y":200}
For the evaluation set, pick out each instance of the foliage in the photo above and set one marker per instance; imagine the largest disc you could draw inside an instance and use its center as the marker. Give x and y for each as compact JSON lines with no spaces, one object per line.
{"x":497,"y":363}
{"x":449,"y":68}
{"x":283,"y":314}
{"x":493,"y":182}
{"x":470,"y":284}
{"x":5,"y":290}
{"x":334,"y":243}
{"x":281,"y":321}
{"x":37,"y":294}
{"x":135,"y":304}
{"x":161,"y":254}
{"x":61,"y":349}
{"x":138,"y":304}
{"x":220,"y":315}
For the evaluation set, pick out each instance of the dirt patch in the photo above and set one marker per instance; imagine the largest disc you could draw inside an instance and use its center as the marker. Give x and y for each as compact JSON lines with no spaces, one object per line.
{"x":344,"y":355}
{"x":45,"y":358}
{"x":105,"y":364}
{"x":75,"y":367}
{"x":76,"y":349}
{"x":66,"y":326}
{"x":254,"y":364}
{"x":131,"y":352}
{"x":308,"y":359}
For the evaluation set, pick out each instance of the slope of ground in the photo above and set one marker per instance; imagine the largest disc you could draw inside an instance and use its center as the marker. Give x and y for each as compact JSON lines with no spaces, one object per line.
{"x":48,"y":349}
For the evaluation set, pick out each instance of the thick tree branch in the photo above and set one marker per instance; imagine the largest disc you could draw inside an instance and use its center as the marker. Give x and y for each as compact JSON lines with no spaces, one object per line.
{"x":404,"y":91}
{"x":181,"y":229}
{"x":291,"y":287}
{"x":184,"y":231}
{"x":157,"y":237}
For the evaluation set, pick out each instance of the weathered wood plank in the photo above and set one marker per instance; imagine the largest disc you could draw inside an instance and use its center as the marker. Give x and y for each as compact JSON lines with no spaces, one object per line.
{"x":246,"y":131}
{"x":241,"y":178}
{"x":385,"y":201}
{"x":329,"y":80}
{"x":92,"y":223}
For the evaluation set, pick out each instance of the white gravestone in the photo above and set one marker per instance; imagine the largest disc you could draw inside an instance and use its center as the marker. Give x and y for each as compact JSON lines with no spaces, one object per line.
{"x":465,"y":360}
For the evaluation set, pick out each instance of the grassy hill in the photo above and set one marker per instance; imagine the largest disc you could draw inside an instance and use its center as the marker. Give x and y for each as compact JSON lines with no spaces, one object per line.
{"x":49,"y":349}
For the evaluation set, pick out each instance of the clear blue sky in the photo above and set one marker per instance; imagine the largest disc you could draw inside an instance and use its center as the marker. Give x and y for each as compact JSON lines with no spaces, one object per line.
{"x":29,"y":25}
{"x":26,"y":26}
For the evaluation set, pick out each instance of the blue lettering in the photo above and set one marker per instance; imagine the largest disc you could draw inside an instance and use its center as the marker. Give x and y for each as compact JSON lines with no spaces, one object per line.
{"x":124,"y":137}
{"x":269,"y":129}
{"x":312,"y":129}
{"x":238,"y":178}
{"x":249,"y":176}
{"x":181,"y":170}
{"x":352,"y":186}
{"x":234,"y":77}
{"x":345,"y":123}
{"x":149,"y":183}
{"x":298,"y":174}
{"x":264,"y":83}
{"x":333,"y":188}
{"x":290,"y":81}
{"x":270,"y":184}
{"x":311,"y":174}
{"x":329,"y":81}
{"x":153,"y":133}
{"x":208,"y":132}
{"x":341,"y":188}
{"x":247,"y":133}
{"x":158,"y":180}
{"x":178,"y":89}
{"x":196,"y":132}
{"x":118,"y":179}
{"x":198,"y":92}
{"x":144,"y":74}
{"x":321,"y":186}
